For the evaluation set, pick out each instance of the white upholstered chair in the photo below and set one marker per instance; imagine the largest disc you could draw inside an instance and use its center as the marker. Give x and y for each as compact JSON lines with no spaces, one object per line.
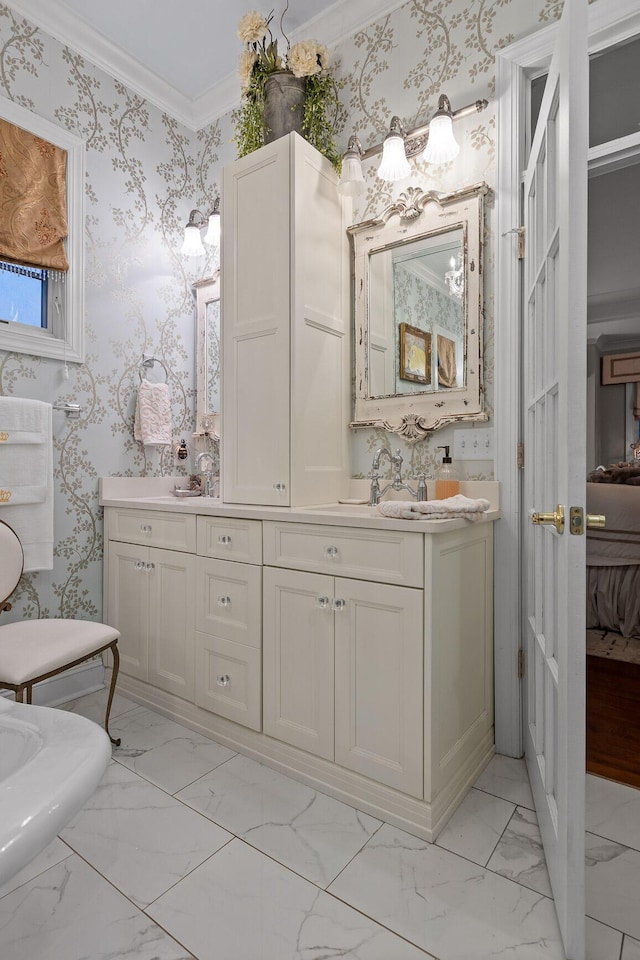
{"x":33,"y":650}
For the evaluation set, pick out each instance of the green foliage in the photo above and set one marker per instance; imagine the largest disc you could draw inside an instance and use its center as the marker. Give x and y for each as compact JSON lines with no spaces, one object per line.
{"x":249,"y":132}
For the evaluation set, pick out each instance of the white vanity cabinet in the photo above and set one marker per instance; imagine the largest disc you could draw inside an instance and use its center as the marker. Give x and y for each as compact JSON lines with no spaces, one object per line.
{"x":343,"y":673}
{"x":285,"y":321}
{"x":229,"y":619}
{"x":150,"y":595}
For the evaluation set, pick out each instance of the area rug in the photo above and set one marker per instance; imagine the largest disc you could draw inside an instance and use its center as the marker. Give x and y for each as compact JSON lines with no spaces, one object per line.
{"x":613,"y":646}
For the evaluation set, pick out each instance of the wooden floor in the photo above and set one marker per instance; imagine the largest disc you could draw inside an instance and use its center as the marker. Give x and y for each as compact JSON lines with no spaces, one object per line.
{"x":613,"y":719}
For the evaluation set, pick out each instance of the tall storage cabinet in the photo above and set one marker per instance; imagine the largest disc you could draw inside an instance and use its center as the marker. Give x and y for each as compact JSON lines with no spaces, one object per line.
{"x":285,"y":341}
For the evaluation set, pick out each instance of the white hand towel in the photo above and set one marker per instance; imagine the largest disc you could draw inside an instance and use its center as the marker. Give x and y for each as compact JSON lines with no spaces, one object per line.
{"x":152,"y":422}
{"x":26,"y":477}
{"x":451,"y":508}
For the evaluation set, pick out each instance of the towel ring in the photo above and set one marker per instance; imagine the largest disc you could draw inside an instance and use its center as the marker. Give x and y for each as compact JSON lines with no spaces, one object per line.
{"x":149,"y":362}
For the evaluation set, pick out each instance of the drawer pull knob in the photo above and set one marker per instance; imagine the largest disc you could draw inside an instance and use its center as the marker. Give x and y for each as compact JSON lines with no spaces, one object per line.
{"x":331,"y":552}
{"x":224,"y":540}
{"x":339,"y":605}
{"x":145,"y":528}
{"x":324,"y":603}
{"x":224,"y":601}
{"x":224,"y":680}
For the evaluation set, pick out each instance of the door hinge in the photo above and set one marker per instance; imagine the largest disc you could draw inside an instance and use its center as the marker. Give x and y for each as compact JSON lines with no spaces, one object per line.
{"x":521,"y":243}
{"x":520,"y":455}
{"x":521,"y":664}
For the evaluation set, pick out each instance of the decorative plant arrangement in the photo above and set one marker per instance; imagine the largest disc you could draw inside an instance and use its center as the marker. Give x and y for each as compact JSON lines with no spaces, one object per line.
{"x":283,"y":93}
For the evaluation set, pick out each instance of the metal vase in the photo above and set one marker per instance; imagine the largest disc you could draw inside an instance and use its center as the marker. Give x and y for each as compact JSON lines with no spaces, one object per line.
{"x":283,"y":105}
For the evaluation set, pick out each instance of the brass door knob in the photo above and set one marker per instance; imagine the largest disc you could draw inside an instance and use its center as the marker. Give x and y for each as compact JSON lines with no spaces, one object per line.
{"x":556,"y":518}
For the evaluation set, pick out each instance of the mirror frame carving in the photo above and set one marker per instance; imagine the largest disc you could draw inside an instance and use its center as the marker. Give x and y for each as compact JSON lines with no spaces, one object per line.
{"x":205,"y":291}
{"x":416,"y":214}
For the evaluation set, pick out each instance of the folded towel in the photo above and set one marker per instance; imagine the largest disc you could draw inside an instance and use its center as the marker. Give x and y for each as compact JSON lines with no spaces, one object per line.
{"x":28,"y":506}
{"x":152,"y":422}
{"x":452,"y":507}
{"x":24,"y":455}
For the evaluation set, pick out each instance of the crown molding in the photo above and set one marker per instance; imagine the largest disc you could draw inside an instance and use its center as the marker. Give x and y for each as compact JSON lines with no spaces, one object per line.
{"x":339,"y":21}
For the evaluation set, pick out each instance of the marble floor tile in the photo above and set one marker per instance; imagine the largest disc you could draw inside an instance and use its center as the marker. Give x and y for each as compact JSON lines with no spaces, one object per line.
{"x":630,"y":949}
{"x":520,"y":856}
{"x":54,"y":853}
{"x":613,"y":811}
{"x":94,"y":705}
{"x":138,"y":837}
{"x":507,"y":777}
{"x":611,"y":883}
{"x":601,"y":943}
{"x":71,"y":913}
{"x":241,"y":905}
{"x":307,"y":831}
{"x":164,"y":752}
{"x":476,"y":826}
{"x":446,"y":905}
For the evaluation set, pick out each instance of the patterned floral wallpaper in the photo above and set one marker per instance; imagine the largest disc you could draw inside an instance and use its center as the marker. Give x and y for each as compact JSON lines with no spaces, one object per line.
{"x":144,"y":172}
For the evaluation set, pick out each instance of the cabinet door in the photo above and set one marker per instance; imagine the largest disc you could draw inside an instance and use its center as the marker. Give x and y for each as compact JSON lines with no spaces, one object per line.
{"x":255,"y":343}
{"x":379,"y":683}
{"x":298,"y":659}
{"x":128,"y":605}
{"x":171,"y":578}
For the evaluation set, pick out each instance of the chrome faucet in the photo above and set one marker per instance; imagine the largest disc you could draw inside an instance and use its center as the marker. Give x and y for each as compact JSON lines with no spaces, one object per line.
{"x":375,"y":493}
{"x":207,"y":474}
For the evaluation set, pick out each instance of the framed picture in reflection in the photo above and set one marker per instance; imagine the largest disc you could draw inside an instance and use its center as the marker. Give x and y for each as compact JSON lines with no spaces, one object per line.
{"x":415,"y":354}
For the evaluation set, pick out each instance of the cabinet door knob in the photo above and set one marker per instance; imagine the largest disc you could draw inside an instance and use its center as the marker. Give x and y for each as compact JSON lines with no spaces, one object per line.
{"x":331,"y":552}
{"x":280,"y":487}
{"x":224,"y":601}
{"x":149,"y":567}
{"x":224,"y":680}
{"x":224,"y":540}
{"x":138,"y":565}
{"x":338,"y":605}
{"x":324,"y":603}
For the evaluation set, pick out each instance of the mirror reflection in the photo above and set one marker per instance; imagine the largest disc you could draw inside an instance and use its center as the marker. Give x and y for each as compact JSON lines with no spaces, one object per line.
{"x":416,"y":316}
{"x":417,"y":311}
{"x":208,"y":383}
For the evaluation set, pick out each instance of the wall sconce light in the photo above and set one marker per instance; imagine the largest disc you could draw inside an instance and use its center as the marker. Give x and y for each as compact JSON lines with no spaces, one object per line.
{"x":434,"y":140}
{"x":192,"y":245}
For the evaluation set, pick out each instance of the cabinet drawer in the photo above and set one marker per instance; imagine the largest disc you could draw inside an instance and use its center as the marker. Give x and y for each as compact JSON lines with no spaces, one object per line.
{"x":229,"y":600}
{"x":228,"y":679}
{"x":386,"y":556}
{"x":229,"y":539}
{"x":154,"y":528}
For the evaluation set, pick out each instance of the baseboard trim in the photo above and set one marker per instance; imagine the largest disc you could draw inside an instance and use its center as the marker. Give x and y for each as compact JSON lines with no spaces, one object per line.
{"x":76,"y":682}
{"x":423,"y":820}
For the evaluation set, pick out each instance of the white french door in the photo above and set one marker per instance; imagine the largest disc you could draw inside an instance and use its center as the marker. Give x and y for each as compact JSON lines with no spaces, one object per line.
{"x":554,"y":351}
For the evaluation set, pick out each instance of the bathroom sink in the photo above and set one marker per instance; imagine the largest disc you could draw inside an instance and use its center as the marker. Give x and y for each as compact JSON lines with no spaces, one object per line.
{"x":51,"y":761}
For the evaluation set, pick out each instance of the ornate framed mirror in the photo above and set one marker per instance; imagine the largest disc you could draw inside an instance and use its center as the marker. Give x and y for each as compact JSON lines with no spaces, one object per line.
{"x":417,"y":271}
{"x":208,"y":383}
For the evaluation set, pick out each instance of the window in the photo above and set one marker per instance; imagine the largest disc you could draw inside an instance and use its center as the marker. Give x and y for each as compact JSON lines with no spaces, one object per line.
{"x":42,"y":310}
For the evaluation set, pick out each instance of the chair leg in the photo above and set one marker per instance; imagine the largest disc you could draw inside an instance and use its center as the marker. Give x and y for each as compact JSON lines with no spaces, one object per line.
{"x":112,"y":688}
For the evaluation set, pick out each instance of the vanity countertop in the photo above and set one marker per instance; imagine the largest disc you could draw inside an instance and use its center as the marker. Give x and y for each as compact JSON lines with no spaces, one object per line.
{"x":155,"y":493}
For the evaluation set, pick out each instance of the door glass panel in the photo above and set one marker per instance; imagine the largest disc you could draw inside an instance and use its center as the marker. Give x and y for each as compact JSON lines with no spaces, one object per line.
{"x":614,"y":81}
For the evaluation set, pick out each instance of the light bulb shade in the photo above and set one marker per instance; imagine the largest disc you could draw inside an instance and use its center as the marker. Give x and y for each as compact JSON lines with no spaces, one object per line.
{"x":394,"y":164}
{"x":442,"y":145}
{"x":351,"y":179}
{"x":212,"y":236}
{"x":192,"y":246}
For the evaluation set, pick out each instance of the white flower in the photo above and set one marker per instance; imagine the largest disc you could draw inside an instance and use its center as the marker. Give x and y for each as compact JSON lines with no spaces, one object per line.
{"x":252,"y":27}
{"x":303,"y":58}
{"x":245,"y":68}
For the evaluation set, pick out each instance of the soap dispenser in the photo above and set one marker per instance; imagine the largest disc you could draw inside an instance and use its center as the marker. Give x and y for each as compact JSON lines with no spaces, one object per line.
{"x":447,"y":482}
